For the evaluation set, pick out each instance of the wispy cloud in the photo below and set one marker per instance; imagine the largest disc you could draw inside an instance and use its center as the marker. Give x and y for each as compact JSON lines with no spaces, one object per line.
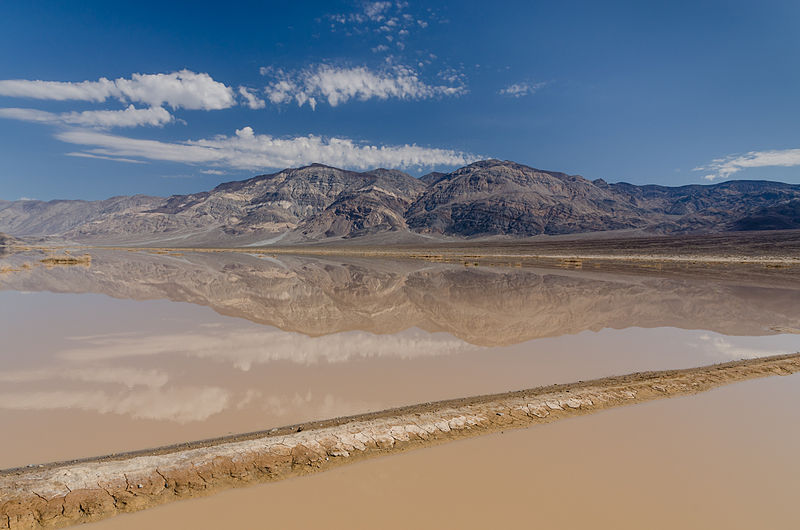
{"x":183,"y":89}
{"x":251,"y":99}
{"x":518,"y":90}
{"x":101,"y":157}
{"x":341,"y":84}
{"x":129,"y":117}
{"x":247,"y":150}
{"x":391,"y":22}
{"x":722,"y":168}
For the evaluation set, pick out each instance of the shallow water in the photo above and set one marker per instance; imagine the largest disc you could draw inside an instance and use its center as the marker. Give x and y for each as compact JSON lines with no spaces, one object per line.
{"x":142,"y":349}
{"x":724,"y":459}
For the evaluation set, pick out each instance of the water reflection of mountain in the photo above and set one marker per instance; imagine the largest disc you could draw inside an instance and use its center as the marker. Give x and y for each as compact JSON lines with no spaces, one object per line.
{"x":484,"y":306}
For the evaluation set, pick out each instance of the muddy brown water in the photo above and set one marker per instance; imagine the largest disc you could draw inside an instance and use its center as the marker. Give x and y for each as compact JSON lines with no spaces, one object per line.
{"x":141,"y":350}
{"x":722,"y":459}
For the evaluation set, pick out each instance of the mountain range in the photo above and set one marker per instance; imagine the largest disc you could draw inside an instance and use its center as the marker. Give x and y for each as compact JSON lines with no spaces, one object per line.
{"x":485,"y":199}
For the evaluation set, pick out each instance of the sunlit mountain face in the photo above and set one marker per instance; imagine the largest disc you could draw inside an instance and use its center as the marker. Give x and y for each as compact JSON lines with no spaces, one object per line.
{"x":489,"y":198}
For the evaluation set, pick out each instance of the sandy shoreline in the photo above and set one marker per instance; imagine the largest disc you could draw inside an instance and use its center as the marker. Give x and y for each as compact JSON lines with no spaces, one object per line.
{"x":765,"y":257}
{"x":68,"y":493}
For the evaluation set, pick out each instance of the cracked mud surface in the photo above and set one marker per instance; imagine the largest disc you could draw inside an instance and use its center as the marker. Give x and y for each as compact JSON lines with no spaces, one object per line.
{"x":58,"y":495}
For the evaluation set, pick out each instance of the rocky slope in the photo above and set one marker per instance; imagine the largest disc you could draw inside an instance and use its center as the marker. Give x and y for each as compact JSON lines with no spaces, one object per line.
{"x":487,"y":198}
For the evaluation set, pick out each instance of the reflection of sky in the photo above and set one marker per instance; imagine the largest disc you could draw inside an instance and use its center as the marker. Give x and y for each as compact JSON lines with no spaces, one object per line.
{"x":182,"y":363}
{"x":192,"y":373}
{"x":243,"y":346}
{"x":93,"y":361}
{"x":732,"y":348}
{"x":180,"y":404}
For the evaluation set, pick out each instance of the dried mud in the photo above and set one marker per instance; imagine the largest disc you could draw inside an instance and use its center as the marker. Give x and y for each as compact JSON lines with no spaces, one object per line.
{"x":61,"y":494}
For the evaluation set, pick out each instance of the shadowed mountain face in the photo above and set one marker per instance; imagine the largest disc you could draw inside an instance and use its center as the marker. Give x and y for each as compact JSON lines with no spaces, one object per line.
{"x":5,"y":242}
{"x":488,"y":198}
{"x":481,"y":306}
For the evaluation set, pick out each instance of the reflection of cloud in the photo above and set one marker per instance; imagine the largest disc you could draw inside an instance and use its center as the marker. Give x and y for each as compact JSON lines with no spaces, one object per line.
{"x":307,"y":405}
{"x":181,"y":405}
{"x":184,"y":404}
{"x":244,"y":347}
{"x":129,"y":377}
{"x":723,"y":347}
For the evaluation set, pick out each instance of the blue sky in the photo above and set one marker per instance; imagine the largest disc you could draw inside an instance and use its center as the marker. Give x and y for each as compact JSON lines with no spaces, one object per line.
{"x":102,"y":99}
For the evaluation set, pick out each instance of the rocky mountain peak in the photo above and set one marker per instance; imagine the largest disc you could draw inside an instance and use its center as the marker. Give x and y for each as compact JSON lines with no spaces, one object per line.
{"x":486,"y":198}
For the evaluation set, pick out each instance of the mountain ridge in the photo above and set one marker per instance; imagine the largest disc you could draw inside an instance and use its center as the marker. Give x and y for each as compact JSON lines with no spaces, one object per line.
{"x":488,"y":198}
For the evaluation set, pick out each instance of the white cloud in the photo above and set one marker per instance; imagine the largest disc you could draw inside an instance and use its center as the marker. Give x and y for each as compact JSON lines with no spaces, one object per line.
{"x":101,"y":157}
{"x":251,"y":100}
{"x":129,"y":117}
{"x":120,"y":146}
{"x":184,"y":89}
{"x":381,"y":18}
{"x":375,"y":10}
{"x":518,"y":90}
{"x":339,"y":85}
{"x":723,"y":168}
{"x":247,"y":150}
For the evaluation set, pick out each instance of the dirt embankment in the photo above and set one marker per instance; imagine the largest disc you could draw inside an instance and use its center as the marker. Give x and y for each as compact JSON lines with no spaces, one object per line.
{"x":57,"y":495}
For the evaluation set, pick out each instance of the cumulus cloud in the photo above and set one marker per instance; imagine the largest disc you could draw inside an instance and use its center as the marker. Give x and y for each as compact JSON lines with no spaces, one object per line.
{"x":722,"y":168}
{"x":247,"y":150}
{"x":183,"y":89}
{"x":129,"y":117}
{"x":339,"y":85}
{"x":518,"y":90}
{"x":251,"y":99}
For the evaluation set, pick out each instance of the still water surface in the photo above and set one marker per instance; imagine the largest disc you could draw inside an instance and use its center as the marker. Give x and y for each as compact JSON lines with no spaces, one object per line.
{"x":140,"y":349}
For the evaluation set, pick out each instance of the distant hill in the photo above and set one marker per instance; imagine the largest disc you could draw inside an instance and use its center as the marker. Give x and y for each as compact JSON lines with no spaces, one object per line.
{"x":484,"y":199}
